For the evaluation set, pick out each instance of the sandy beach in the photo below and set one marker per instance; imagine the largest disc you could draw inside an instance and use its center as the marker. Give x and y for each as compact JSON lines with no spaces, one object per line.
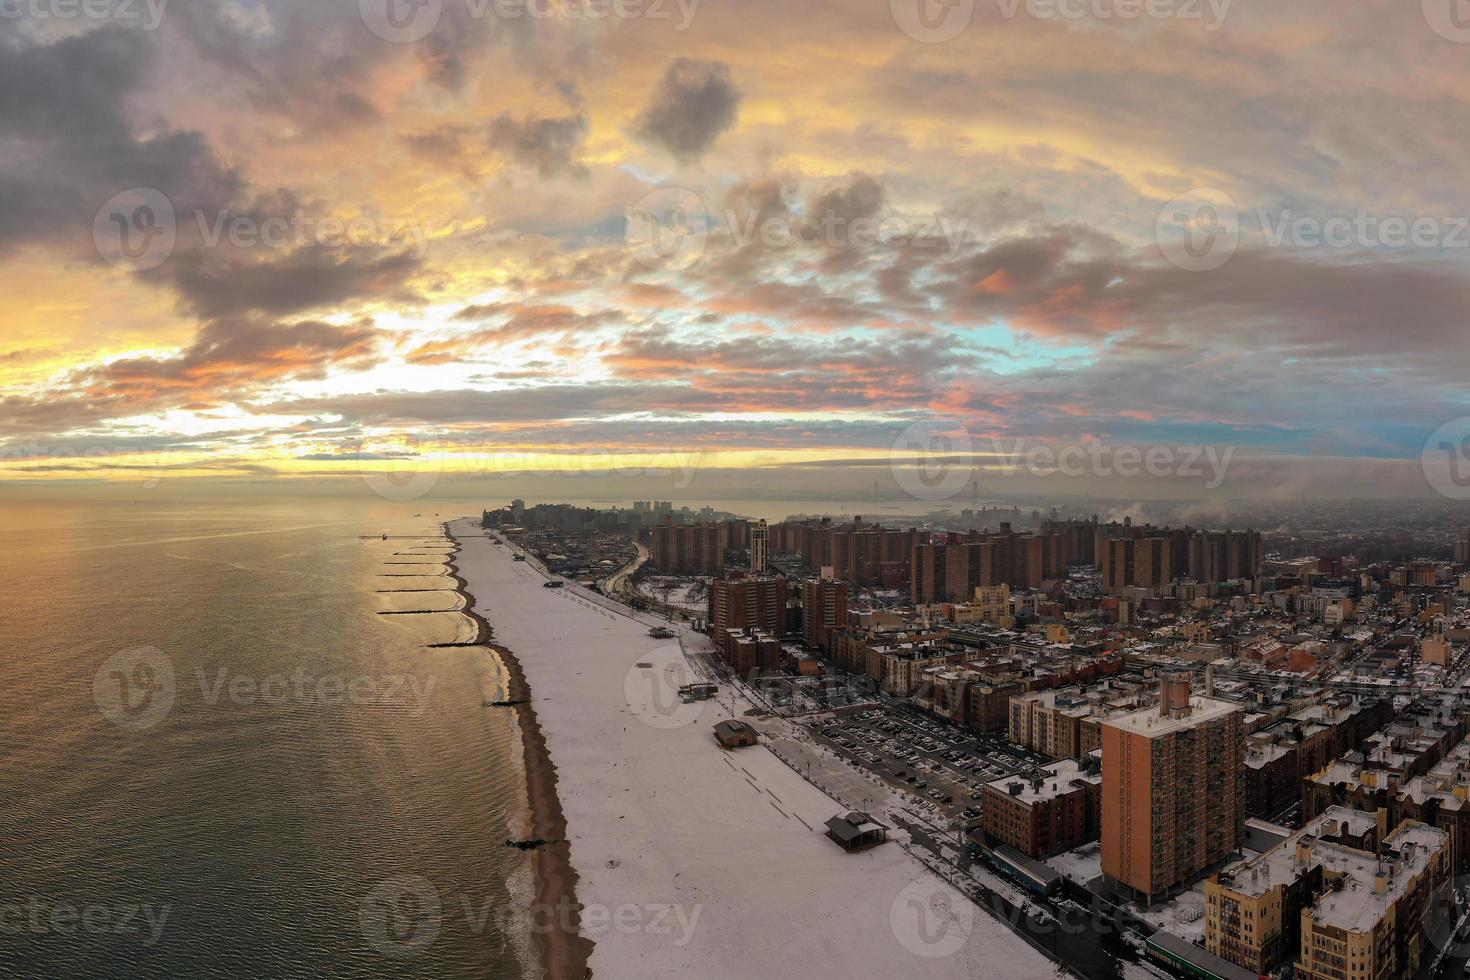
{"x":562,"y":951}
{"x":692,"y":860}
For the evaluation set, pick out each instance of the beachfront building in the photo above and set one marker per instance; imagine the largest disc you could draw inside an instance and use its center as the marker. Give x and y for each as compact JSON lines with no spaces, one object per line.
{"x":735,"y":734}
{"x":1172,"y":790}
{"x":1054,"y":809}
{"x":856,"y":831}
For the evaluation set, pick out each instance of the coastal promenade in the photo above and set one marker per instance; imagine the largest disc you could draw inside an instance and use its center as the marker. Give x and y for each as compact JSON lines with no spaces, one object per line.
{"x":695,"y":861}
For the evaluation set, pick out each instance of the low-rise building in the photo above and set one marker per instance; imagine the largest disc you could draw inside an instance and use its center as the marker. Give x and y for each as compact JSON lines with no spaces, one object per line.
{"x":1253,"y":908}
{"x":1370,"y":920}
{"x":1054,"y":809}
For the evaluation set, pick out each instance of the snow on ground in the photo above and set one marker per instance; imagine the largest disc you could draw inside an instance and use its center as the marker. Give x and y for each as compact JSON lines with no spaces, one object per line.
{"x":695,"y":861}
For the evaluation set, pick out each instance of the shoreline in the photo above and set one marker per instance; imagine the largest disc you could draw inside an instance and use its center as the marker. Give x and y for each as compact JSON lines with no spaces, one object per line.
{"x":564,"y":952}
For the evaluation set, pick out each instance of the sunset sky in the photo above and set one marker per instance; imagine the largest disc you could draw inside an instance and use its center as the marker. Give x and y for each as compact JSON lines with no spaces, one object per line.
{"x":344,"y":247}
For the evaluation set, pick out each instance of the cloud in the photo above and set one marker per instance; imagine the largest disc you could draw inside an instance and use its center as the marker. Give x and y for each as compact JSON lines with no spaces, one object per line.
{"x":70,"y":142}
{"x":218,"y":283}
{"x":549,"y":146}
{"x":518,"y":322}
{"x":692,"y":105}
{"x":233,"y":357}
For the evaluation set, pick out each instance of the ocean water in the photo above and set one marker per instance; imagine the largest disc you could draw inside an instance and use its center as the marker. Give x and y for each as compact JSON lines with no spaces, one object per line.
{"x":218,"y":760}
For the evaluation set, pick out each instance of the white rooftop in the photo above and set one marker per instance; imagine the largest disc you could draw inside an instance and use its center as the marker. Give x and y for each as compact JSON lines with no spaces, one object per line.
{"x":1150,"y":724}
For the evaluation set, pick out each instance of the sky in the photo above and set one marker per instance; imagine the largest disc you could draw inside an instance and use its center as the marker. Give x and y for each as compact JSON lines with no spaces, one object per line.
{"x":275,"y":240}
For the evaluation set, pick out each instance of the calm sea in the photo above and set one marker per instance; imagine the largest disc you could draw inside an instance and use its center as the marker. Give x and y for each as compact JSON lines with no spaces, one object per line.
{"x":218,"y":759}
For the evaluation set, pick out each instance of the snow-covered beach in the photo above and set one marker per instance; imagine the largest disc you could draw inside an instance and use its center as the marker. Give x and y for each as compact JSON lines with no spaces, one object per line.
{"x":697,"y":861}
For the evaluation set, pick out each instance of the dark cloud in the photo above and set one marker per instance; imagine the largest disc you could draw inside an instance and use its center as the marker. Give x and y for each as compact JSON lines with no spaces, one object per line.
{"x":215,"y":283}
{"x":70,"y":142}
{"x":694,"y":102}
{"x":549,"y":146}
{"x":233,"y":357}
{"x":517,"y":322}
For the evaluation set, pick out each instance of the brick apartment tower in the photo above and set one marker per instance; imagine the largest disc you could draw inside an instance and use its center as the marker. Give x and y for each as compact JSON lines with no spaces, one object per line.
{"x":1172,"y":797}
{"x":823,"y":609}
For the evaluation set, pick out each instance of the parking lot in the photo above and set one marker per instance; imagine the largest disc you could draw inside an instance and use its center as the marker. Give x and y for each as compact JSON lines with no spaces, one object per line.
{"x":942,"y":764}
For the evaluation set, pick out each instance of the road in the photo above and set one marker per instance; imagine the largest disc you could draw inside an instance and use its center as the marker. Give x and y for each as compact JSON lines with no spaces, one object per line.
{"x":1085,"y":940}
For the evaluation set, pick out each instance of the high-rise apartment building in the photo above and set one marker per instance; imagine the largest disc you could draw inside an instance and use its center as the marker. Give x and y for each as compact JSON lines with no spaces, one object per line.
{"x":748,"y":604}
{"x":688,"y":549}
{"x":1224,"y":556}
{"x":760,"y":537}
{"x":1172,"y":789}
{"x":952,"y":569}
{"x":823,"y":609}
{"x":1137,"y":562}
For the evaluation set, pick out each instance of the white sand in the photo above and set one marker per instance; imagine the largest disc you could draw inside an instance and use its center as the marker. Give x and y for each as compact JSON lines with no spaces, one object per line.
{"x":661,"y":817}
